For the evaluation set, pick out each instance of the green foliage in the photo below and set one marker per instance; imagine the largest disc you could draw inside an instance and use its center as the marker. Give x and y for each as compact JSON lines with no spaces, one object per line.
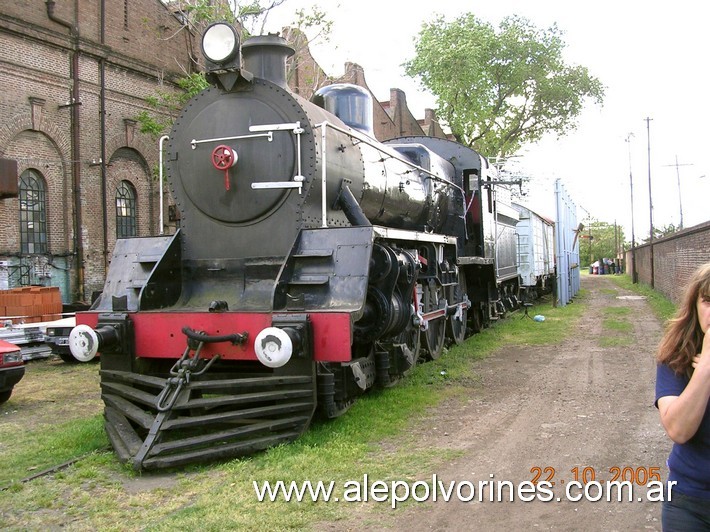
{"x":314,"y":19}
{"x":167,"y":104}
{"x":150,"y":124}
{"x":662,"y":232}
{"x":250,"y":17}
{"x":605,"y":240}
{"x":498,"y":90}
{"x":208,"y":11}
{"x":192,"y":84}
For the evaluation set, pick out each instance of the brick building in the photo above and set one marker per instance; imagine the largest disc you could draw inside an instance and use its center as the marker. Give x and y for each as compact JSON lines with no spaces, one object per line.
{"x":75,"y":172}
{"x":391,"y":118}
{"x":74,"y":77}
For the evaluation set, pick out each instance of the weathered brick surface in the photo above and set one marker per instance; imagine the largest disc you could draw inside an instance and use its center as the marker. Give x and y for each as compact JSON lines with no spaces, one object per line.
{"x":675,"y":258}
{"x":140,"y":33}
{"x":35,"y":65}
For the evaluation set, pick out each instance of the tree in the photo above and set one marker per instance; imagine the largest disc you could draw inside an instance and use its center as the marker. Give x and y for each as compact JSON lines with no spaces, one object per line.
{"x":303,"y":73}
{"x":666,"y":230}
{"x":250,"y":18}
{"x":661,"y":232}
{"x":599,"y":240}
{"x":498,"y":90}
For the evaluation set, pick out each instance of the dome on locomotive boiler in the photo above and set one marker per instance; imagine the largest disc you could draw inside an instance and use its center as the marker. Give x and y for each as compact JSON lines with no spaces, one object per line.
{"x":351,"y":103}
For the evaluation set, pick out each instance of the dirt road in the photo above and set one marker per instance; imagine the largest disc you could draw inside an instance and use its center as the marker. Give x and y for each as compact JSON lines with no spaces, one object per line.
{"x":574,"y":405}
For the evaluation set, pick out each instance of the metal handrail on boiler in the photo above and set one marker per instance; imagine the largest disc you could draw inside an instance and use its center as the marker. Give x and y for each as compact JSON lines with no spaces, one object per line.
{"x":298,"y":180}
{"x":377,"y":146}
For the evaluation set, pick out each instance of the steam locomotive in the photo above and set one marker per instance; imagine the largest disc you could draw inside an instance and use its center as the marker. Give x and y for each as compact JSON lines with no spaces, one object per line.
{"x":312,"y":264}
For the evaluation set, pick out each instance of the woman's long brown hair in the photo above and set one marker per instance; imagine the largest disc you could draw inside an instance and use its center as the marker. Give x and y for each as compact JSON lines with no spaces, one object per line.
{"x":683,"y":337}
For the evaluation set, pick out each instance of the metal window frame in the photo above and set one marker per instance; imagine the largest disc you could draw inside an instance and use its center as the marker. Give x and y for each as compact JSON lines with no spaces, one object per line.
{"x":33,"y":221}
{"x":126,"y":210}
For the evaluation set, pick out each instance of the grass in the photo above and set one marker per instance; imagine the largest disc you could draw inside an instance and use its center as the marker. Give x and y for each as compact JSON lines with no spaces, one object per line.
{"x":99,"y":493}
{"x":51,"y":447}
{"x":614,"y":341}
{"x":53,"y":416}
{"x":614,"y":324}
{"x":617,"y":311}
{"x":616,"y":328}
{"x":663,"y":307}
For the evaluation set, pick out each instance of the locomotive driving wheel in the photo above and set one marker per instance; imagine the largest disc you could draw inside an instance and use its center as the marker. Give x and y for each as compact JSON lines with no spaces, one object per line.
{"x":476,"y":318}
{"x":457,"y":324}
{"x":411,"y":343}
{"x":435,"y":334}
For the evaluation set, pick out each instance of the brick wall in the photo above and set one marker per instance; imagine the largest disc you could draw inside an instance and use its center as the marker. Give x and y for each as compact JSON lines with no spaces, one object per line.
{"x":392,"y":118}
{"x":144,"y":49}
{"x":125,"y":39}
{"x":675,"y":258}
{"x":36,"y":151}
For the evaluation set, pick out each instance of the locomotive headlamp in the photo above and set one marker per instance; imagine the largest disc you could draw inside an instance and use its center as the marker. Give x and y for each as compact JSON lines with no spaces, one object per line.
{"x":220,"y":43}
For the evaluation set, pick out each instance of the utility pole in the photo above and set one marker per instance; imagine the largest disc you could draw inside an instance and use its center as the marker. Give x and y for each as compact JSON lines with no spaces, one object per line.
{"x":634,"y":275}
{"x":680,"y":200}
{"x":591,"y":256}
{"x":650,"y":196}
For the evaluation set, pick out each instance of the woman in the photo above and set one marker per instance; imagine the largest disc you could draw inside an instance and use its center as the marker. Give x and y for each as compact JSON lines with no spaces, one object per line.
{"x":682,"y":394}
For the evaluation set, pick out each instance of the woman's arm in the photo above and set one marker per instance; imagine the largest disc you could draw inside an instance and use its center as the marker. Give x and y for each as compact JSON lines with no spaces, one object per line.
{"x":681,"y":415}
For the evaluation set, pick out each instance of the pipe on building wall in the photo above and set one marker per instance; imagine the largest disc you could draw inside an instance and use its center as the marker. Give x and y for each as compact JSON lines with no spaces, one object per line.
{"x":160,"y":180}
{"x":75,"y":148}
{"x":102,"y":134}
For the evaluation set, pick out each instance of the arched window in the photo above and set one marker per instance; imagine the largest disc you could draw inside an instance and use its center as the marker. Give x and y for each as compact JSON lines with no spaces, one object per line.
{"x":33,"y":213}
{"x":125,"y":210}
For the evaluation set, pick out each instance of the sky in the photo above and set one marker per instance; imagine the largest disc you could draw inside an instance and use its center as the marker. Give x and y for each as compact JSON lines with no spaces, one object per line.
{"x":651,"y":57}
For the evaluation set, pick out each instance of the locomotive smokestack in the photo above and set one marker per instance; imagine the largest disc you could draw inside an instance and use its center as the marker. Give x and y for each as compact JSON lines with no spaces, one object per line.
{"x":265,"y":57}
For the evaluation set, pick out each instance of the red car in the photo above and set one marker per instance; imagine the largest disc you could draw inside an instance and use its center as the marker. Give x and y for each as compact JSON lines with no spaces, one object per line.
{"x":12,"y":369}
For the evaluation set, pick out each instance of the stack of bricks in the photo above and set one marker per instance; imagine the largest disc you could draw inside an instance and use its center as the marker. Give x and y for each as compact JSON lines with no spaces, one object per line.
{"x":32,"y":304}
